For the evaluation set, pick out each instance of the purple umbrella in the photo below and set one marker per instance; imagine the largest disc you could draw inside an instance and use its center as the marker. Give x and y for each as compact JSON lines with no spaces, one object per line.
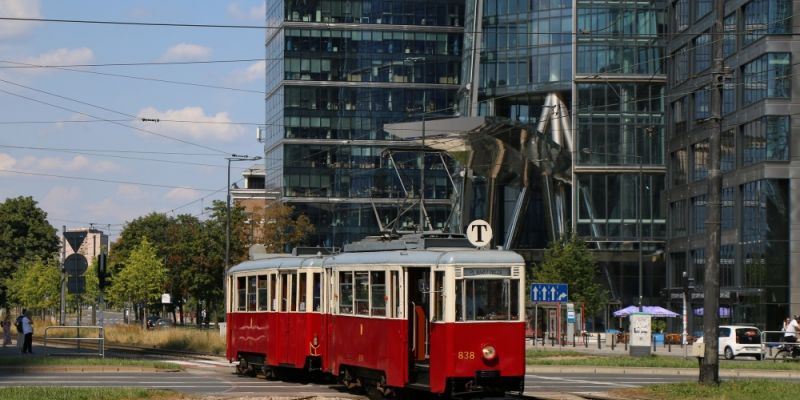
{"x":654,"y":311}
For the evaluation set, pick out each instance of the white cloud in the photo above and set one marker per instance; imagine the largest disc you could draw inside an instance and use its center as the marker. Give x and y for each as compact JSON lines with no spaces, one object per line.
{"x":186,"y":52}
{"x":255,"y":12}
{"x":183,"y":194}
{"x":252,"y":73}
{"x":60,"y":200}
{"x":196,"y":126}
{"x":7,"y":162}
{"x":18,"y":9}
{"x":77,"y":163}
{"x":60,"y":56}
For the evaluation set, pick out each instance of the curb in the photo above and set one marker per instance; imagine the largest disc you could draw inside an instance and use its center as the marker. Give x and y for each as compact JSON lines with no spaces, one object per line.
{"x":81,"y":369}
{"x":737,"y":373}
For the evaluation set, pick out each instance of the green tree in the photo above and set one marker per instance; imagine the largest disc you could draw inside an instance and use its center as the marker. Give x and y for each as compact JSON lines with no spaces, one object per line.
{"x":568,"y":260}
{"x":153,"y":226}
{"x":25,"y":235}
{"x":186,"y":258}
{"x":36,"y":285}
{"x":142,"y":280}
{"x":282,"y":231}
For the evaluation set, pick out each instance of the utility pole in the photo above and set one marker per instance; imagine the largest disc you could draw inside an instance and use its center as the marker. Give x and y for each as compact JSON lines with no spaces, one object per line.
{"x":709,"y":365}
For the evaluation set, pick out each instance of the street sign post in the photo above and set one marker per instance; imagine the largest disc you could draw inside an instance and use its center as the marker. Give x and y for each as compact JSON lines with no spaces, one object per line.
{"x":549,"y":292}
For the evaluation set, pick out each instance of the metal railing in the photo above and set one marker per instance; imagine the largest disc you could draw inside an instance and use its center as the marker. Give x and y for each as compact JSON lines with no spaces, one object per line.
{"x":773,"y":340}
{"x":99,"y":341}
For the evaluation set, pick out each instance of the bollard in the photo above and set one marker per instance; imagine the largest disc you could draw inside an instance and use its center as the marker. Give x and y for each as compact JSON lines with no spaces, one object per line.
{"x":669,"y":348}
{"x":613,"y":339}
{"x":598,"y":341}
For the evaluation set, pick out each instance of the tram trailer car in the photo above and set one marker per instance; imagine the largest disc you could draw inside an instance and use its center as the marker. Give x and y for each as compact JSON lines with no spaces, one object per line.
{"x":445,"y":320}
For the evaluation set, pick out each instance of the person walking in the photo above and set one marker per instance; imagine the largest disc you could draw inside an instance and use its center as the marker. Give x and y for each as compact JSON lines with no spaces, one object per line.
{"x":6,"y":331}
{"x":18,"y":327}
{"x":27,"y":329}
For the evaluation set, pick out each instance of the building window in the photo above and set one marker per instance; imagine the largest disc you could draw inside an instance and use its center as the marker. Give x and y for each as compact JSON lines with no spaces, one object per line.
{"x":767,"y":76}
{"x":699,"y":214}
{"x":762,"y":17}
{"x":700,"y":160}
{"x":726,"y":212}
{"x":702,"y":103}
{"x":702,"y":52}
{"x":729,"y":37}
{"x":727,"y":262}
{"x":681,"y":15}
{"x":677,"y":216}
{"x":766,"y":139}
{"x":679,"y":167}
{"x":728,"y":150}
{"x":679,"y":113}
{"x":702,"y":7}
{"x":698,"y":266}
{"x":728,"y":96}
{"x":681,"y":65}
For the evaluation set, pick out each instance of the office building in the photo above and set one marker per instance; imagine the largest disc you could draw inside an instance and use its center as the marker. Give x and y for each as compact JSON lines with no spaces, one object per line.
{"x":759,"y":161}
{"x":337,"y":71}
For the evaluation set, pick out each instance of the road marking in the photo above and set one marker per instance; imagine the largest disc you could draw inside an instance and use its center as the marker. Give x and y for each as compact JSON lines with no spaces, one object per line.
{"x":569,"y":380}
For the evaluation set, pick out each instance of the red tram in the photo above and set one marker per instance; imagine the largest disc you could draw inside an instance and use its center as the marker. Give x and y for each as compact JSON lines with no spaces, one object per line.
{"x":429,"y":313}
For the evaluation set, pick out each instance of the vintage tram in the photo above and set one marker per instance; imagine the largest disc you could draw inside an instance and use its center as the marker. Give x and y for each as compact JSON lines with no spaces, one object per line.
{"x":428,"y":312}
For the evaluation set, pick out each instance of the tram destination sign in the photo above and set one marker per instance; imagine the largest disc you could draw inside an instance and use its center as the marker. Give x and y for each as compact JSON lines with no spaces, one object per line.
{"x":549,"y":292}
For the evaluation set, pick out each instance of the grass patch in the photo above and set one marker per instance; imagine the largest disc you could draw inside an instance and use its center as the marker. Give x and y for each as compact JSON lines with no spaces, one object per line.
{"x":549,"y":357}
{"x":207,"y":341}
{"x":86,"y":361}
{"x":746,"y":389}
{"x":61,"y":393}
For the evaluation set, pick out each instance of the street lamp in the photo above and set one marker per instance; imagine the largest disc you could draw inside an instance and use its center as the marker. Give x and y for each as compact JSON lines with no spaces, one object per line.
{"x":233,"y":157}
{"x":638,"y":212}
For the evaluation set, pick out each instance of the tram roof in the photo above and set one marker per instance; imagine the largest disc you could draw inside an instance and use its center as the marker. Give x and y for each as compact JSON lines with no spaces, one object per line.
{"x":428,"y":257}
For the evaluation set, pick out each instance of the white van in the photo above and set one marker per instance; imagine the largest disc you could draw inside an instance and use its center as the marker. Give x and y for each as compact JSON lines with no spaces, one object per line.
{"x":739,"y":340}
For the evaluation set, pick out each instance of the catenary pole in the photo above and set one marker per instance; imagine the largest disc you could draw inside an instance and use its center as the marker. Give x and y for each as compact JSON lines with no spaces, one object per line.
{"x":709,"y":365}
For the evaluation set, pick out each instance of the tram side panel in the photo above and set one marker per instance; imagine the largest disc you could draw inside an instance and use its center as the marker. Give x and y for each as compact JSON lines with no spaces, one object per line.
{"x":457,"y":352}
{"x":377,"y":344}
{"x":249,"y":333}
{"x":303,"y":340}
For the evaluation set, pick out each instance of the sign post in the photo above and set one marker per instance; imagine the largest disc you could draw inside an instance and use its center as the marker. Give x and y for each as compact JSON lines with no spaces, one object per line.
{"x":553,"y":294}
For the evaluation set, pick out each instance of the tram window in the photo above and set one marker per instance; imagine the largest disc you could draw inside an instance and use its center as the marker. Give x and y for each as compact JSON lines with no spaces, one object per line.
{"x":284,"y":292}
{"x":251,"y":293}
{"x":273,"y":292}
{"x":395,"y":293}
{"x":438,"y":296}
{"x":293,"y":299}
{"x":317,"y":300}
{"x":301,"y":291}
{"x":241,"y":288}
{"x":487,"y":299}
{"x":362,"y":293}
{"x":345,"y":292}
{"x":378,"y":280}
{"x":262,"y":293}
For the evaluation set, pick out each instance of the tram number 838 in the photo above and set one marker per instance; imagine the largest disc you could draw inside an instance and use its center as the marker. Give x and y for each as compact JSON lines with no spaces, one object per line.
{"x":466,"y":355}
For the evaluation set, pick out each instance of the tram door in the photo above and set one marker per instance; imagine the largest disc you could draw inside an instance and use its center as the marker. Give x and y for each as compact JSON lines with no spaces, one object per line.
{"x":418,"y":312}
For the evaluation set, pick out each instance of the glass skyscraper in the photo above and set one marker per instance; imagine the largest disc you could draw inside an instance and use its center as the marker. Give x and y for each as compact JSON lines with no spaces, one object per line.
{"x":757,"y":283}
{"x":337,"y":71}
{"x":590,"y":76}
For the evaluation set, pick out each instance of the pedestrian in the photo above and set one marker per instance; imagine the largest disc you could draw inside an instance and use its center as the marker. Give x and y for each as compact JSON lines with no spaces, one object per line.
{"x":18,"y":327}
{"x":6,"y":331}
{"x":27,"y":329}
{"x":791,"y":330}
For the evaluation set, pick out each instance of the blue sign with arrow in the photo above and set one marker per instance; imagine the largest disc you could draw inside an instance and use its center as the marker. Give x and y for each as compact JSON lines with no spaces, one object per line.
{"x":549,"y":292}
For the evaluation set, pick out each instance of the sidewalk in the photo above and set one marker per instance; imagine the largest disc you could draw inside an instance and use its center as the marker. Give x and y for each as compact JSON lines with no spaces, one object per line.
{"x":605,"y":348}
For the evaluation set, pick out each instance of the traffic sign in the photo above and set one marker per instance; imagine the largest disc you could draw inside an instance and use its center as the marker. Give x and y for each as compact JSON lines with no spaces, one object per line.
{"x":75,"y":239}
{"x":75,"y":264}
{"x":479,"y":233}
{"x":549,"y":292}
{"x":76,"y":284}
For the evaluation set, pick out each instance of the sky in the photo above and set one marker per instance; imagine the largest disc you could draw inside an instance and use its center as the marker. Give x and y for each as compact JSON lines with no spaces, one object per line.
{"x":73,"y":137}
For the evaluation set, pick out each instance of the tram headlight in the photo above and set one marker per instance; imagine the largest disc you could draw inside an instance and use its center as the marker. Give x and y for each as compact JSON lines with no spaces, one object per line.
{"x":489,"y":352}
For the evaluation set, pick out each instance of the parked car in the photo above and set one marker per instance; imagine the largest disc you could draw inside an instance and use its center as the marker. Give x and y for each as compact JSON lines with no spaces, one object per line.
{"x":739,"y":340}
{"x":151,"y":321}
{"x":163,"y":323}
